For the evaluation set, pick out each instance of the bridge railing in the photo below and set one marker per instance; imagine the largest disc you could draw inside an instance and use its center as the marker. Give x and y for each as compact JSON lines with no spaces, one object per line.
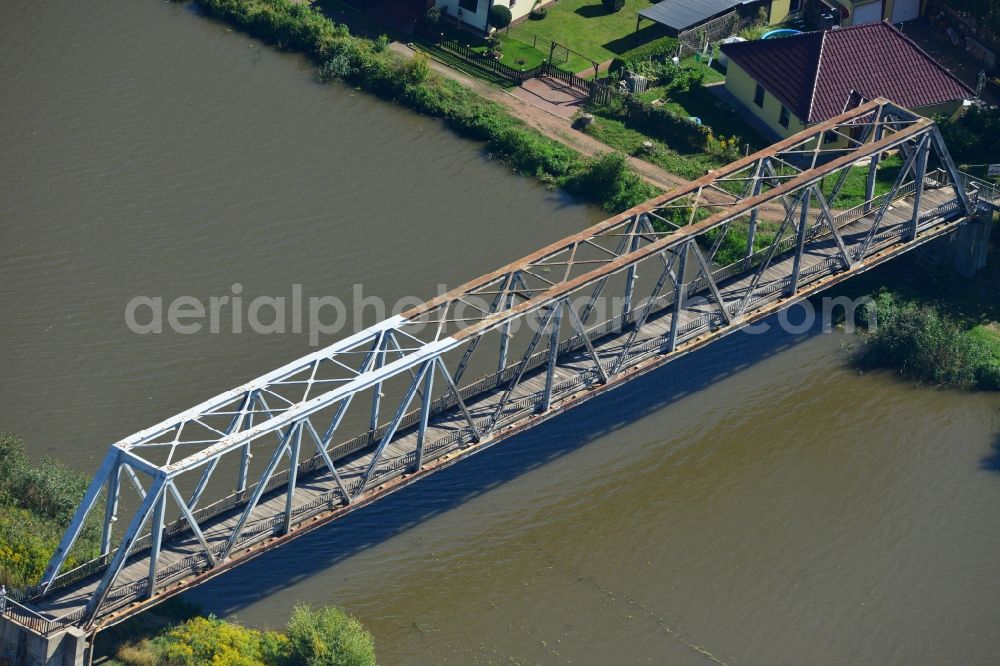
{"x":978,"y":189}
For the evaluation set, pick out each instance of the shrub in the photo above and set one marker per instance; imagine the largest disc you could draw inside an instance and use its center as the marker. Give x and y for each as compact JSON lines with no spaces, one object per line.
{"x":432,"y":21}
{"x":611,"y":174}
{"x":36,"y":505}
{"x":613,"y":5}
{"x":416,"y":69}
{"x":660,"y":49}
{"x":656,"y":121}
{"x":328,"y":637}
{"x":134,"y":655}
{"x":673,"y":77}
{"x":974,"y":137}
{"x":927,"y":345}
{"x":538,"y":13}
{"x":727,"y":150}
{"x":500,"y":16}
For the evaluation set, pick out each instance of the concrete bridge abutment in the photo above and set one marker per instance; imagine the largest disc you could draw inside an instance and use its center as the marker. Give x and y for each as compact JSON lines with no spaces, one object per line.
{"x":20,"y":646}
{"x":965,"y":250}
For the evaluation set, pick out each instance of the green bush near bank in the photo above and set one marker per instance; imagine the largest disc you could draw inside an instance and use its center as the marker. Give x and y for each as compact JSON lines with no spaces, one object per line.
{"x":926,"y":344}
{"x":355,"y":60}
{"x":37,"y":504}
{"x":611,"y":174}
{"x":324,"y":637}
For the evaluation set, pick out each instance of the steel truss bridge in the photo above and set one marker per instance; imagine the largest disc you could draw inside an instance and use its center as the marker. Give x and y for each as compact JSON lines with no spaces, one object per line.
{"x":251,"y":468}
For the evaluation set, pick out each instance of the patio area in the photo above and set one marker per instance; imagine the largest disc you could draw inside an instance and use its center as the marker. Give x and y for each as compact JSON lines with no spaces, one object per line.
{"x":551,"y":94}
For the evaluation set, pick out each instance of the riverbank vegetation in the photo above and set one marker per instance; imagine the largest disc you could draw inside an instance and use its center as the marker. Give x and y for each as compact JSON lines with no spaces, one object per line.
{"x":675,"y":124}
{"x":36,"y":506}
{"x":931,"y":324}
{"x":324,"y":637}
{"x":925,"y":343}
{"x":366,"y":64}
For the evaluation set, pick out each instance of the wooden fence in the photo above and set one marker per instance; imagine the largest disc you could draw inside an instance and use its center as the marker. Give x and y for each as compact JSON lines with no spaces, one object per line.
{"x":492,"y":64}
{"x":595,"y":90}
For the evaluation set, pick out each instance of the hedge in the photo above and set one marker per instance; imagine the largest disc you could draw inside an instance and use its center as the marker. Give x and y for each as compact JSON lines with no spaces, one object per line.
{"x":656,"y":121}
{"x":356,"y":60}
{"x":660,"y":49}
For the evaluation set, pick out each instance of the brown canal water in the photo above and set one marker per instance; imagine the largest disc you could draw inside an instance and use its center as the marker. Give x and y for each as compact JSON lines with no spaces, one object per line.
{"x":759,"y":502}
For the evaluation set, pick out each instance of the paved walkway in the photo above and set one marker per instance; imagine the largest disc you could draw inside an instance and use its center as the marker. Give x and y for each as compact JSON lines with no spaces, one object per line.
{"x":552,"y":95}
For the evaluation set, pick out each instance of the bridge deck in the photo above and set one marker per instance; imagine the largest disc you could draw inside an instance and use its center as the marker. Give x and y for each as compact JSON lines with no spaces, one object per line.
{"x":317,"y":492}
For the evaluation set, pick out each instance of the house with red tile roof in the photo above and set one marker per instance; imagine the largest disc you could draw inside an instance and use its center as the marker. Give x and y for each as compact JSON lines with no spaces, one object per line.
{"x":790,"y":83}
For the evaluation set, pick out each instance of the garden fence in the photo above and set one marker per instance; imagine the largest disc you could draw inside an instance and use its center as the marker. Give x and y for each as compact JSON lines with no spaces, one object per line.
{"x":492,"y":64}
{"x":696,"y":40}
{"x":597,"y":91}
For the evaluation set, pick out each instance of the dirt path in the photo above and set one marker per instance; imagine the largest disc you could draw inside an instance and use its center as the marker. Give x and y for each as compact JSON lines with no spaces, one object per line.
{"x":547,"y":123}
{"x":558,"y":128}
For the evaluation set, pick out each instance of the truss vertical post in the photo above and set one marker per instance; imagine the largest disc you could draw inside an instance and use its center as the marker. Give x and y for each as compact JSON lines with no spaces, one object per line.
{"x":192,"y":523}
{"x":476,"y":435}
{"x":918,"y":184}
{"x":521,"y":366}
{"x":630,"y":274}
{"x":550,"y":370}
{"x":950,"y":168}
{"x":889,"y":198}
{"x":758,"y":185}
{"x":111,"y":460}
{"x":156,"y":541}
{"x":499,"y":303}
{"x":425,"y":412}
{"x":393,"y":426}
{"x":800,"y":241}
{"x":873,"y":166}
{"x":111,"y":506}
{"x":258,"y":491}
{"x":124,"y":548}
{"x":293,"y":473}
{"x":508,"y":302}
{"x":377,"y":391}
{"x":599,"y":287}
{"x":680,"y":292}
{"x":241,"y":484}
{"x":616,"y":365}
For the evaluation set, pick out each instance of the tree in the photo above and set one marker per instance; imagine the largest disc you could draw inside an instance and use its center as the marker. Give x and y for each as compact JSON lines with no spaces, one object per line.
{"x":613,"y":5}
{"x":500,"y":17}
{"x":974,"y":138}
{"x":328,"y":637}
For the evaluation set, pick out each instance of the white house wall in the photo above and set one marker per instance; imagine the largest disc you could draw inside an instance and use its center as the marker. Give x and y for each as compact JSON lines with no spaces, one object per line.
{"x":519,"y":9}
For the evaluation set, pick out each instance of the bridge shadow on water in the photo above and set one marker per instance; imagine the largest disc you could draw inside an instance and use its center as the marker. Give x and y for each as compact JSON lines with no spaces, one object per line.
{"x":367,"y":527}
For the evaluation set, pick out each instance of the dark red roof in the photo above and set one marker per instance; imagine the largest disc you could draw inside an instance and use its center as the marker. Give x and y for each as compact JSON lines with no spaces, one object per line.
{"x":814,"y":73}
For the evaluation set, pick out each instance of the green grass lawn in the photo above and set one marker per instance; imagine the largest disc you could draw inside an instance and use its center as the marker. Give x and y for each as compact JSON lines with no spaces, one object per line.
{"x":615,"y":134}
{"x":519,"y":55}
{"x":516,"y":54}
{"x":853,"y":192}
{"x":711,"y":74}
{"x":586,"y":27}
